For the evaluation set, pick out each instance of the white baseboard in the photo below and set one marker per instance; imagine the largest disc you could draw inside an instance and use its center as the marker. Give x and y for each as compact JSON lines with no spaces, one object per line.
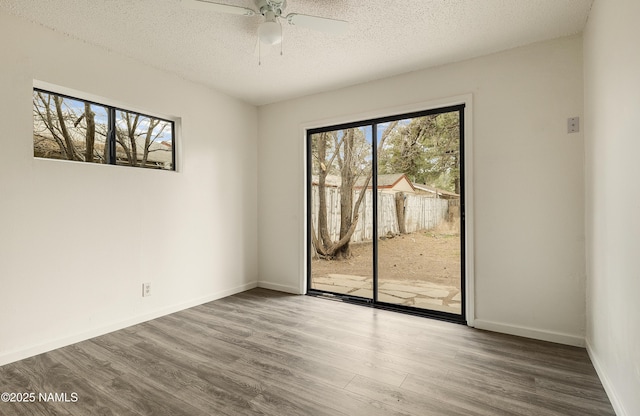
{"x":606,"y":382}
{"x":522,"y":331}
{"x":279,"y":287}
{"x":33,"y":350}
{"x":228,"y":292}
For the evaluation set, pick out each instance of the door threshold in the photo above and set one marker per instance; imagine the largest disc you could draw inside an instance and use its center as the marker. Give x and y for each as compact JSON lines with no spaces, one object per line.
{"x":431,"y":314}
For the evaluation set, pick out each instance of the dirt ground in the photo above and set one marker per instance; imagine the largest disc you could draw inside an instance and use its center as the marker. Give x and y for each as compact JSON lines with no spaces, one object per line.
{"x":431,"y":256}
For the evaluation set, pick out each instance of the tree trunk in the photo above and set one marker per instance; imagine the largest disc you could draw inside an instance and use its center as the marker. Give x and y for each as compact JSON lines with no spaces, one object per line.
{"x":349,"y":211}
{"x":63,"y":128}
{"x":132,"y":138}
{"x":123,"y":143}
{"x":346,"y":192}
{"x":153,"y":123}
{"x":325,"y":238}
{"x":47,"y":118}
{"x":400,"y":213}
{"x":339,"y":247}
{"x":90,"y":134}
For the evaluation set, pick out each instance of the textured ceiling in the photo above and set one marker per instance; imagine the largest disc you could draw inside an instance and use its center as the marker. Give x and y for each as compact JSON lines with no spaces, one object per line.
{"x":385,"y":37}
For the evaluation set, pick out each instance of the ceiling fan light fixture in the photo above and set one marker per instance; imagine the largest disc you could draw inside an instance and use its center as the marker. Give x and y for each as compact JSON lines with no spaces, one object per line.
{"x":270,"y":33}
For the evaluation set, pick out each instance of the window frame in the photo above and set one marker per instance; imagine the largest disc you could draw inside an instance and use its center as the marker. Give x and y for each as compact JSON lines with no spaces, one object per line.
{"x":110,"y":139}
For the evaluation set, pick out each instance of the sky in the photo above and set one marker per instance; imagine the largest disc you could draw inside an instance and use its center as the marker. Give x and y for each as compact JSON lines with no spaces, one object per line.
{"x":77,"y":106}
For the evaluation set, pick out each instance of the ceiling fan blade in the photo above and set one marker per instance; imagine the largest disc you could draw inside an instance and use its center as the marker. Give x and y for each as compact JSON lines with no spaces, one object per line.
{"x":321,"y":24}
{"x":217,"y":7}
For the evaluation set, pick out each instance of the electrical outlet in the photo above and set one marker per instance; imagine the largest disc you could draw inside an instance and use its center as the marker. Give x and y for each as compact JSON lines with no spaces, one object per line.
{"x":573,"y":125}
{"x":146,"y":290}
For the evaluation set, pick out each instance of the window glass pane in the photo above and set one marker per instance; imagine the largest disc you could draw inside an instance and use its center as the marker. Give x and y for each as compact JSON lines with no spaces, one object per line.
{"x":143,"y":141}
{"x":419,"y":248}
{"x":69,"y":129}
{"x":342,"y":212}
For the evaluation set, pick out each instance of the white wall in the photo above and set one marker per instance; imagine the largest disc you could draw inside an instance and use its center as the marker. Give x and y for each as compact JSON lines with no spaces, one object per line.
{"x":612,"y":111}
{"x":77,"y":240}
{"x":528,"y":178}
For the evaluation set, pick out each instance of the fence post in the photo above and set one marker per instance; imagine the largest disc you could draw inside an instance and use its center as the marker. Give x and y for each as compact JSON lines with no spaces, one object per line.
{"x":400,"y":212}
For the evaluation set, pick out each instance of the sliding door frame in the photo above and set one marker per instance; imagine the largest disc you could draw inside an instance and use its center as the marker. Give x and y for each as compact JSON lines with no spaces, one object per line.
{"x":461,"y":109}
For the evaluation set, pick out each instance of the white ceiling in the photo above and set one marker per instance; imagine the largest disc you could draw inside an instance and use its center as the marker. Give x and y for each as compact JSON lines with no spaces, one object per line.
{"x":385,"y":37}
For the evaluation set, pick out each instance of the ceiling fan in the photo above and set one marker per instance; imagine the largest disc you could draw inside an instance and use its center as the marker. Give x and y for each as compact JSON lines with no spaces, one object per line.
{"x":270,"y":31}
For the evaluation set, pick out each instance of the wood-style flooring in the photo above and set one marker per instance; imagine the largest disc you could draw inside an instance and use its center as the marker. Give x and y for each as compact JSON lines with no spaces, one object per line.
{"x":267,"y":353}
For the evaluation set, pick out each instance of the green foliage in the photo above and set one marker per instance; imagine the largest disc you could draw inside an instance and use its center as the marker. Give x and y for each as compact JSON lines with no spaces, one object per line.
{"x":427,"y":149}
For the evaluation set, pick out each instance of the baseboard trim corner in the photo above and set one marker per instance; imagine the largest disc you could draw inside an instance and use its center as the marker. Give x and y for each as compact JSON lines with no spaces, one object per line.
{"x":606,"y":382}
{"x":533,"y":333}
{"x":280,"y":288}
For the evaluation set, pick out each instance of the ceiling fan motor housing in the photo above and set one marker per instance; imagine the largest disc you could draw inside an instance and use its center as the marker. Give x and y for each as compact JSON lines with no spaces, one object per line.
{"x":275,"y":6}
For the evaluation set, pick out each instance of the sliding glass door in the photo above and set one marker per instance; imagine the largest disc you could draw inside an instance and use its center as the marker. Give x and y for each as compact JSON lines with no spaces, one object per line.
{"x":385,"y":217}
{"x":341,"y":226}
{"x":419,"y":245}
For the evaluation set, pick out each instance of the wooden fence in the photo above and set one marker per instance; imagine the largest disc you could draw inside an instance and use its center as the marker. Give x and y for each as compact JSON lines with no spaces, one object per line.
{"x":420,"y":213}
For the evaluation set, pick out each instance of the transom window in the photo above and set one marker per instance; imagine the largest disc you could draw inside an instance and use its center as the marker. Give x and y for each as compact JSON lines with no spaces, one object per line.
{"x":69,"y":128}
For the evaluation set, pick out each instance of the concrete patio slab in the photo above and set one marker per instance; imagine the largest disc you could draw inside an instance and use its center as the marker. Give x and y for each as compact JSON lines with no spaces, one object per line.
{"x":424,"y":295}
{"x":426,"y":302}
{"x":440,"y":292}
{"x":333,"y":288}
{"x":348,"y":276}
{"x":356,"y":284}
{"x":442,"y":308}
{"x":382,"y":297}
{"x":429,"y":285}
{"x":398,"y":294}
{"x":435,"y":293}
